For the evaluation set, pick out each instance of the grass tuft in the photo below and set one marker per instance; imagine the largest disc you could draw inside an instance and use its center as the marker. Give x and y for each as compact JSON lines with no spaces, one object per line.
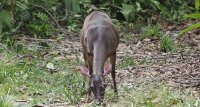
{"x":151,"y":31}
{"x":167,"y":45}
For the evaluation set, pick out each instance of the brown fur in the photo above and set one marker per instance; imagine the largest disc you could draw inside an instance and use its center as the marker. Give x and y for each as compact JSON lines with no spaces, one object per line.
{"x":99,"y":39}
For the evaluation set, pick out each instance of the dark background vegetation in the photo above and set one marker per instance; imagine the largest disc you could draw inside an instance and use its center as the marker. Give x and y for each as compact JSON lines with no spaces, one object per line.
{"x":46,"y":19}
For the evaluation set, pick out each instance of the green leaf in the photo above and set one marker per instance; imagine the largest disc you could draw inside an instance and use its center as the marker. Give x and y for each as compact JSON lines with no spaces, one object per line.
{"x":194,"y":26}
{"x":156,"y":3}
{"x":138,"y":6}
{"x":197,"y":4}
{"x":195,"y":16}
{"x":5,"y":19}
{"x":128,"y":11}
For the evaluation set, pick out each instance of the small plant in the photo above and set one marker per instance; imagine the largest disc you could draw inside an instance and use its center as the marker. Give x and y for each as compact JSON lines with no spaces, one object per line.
{"x":151,"y":31}
{"x":166,"y":44}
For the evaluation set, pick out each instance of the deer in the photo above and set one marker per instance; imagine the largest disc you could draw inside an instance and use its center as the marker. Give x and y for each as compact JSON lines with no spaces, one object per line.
{"x":99,"y":40}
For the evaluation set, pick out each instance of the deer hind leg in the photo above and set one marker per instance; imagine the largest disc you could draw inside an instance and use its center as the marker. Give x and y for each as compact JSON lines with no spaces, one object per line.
{"x":113,"y":63}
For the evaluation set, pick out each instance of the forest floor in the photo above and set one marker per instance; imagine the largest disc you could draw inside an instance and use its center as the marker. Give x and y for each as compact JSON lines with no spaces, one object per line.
{"x":146,"y":76}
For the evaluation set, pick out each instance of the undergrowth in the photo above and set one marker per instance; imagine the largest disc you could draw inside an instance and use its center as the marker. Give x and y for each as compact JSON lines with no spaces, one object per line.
{"x":29,"y":79}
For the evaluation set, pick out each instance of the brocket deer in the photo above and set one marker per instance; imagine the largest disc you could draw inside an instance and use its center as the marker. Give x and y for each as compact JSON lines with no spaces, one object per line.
{"x":99,"y":39}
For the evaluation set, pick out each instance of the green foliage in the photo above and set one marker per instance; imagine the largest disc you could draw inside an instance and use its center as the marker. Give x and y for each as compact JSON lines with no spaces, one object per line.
{"x":46,"y":3}
{"x":194,"y":16}
{"x":133,"y":10}
{"x":73,"y":22}
{"x":36,"y":81}
{"x":128,"y":12}
{"x":197,"y":4}
{"x":5,"y":20}
{"x":151,"y":31}
{"x":167,"y":45}
{"x":72,"y":6}
{"x":41,"y":17}
{"x":74,"y":86}
{"x":4,"y":103}
{"x":23,"y":11}
{"x":144,"y":9}
{"x":8,"y":39}
{"x":40,"y":26}
{"x":194,"y":26}
{"x":174,"y":10}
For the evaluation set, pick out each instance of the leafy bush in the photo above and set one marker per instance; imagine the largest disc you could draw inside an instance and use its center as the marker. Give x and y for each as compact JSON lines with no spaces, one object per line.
{"x":144,"y":9}
{"x":173,"y":10}
{"x":40,"y":26}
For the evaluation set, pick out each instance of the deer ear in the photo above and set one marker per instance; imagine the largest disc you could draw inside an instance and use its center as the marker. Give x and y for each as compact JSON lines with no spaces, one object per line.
{"x":84,"y":71}
{"x":107,"y":69}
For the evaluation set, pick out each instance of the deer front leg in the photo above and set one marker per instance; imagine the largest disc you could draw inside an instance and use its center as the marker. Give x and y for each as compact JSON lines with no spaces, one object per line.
{"x":90,"y":64}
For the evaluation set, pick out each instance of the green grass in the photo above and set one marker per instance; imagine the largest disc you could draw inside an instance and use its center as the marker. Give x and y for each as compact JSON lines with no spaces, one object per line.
{"x":29,"y":79}
{"x":152,"y":94}
{"x":6,"y":101}
{"x":126,"y":62}
{"x":151,"y":31}
{"x":167,"y":45}
{"x":26,"y":80}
